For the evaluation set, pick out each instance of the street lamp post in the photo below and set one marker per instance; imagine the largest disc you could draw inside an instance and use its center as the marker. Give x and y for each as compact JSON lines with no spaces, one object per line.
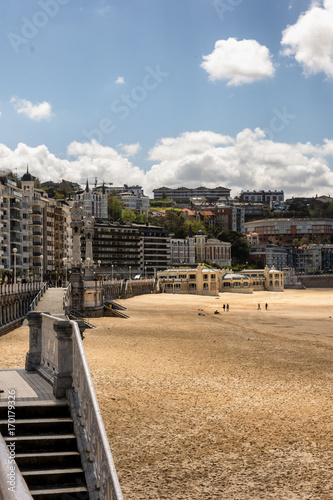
{"x":65,"y":264}
{"x":14,"y":252}
{"x":41,"y":269}
{"x":112,"y":272}
{"x":130,"y":272}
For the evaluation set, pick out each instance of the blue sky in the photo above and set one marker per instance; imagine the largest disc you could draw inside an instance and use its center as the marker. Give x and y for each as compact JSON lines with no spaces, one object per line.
{"x":165,"y":92}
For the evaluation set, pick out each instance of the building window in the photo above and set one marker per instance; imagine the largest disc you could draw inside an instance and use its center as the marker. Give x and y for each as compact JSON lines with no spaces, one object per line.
{"x":237,"y":283}
{"x":212,"y":277}
{"x":192,"y":277}
{"x":177,"y":286}
{"x":205,"y":286}
{"x":205,"y":277}
{"x":193,"y":286}
{"x":226,"y":284}
{"x":169,"y":285}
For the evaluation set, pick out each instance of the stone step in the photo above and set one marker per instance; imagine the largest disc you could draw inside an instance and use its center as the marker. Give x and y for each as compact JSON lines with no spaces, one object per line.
{"x":55,"y":460}
{"x":35,"y":409}
{"x":79,"y":492}
{"x":53,"y":478}
{"x":25,"y":427}
{"x":31,"y":444}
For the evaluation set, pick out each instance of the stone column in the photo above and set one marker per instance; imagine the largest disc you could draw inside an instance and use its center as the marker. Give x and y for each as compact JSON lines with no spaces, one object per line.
{"x":63,"y":379}
{"x":89,"y":248}
{"x":33,"y":357}
{"x":77,"y":293}
{"x":76,"y":245}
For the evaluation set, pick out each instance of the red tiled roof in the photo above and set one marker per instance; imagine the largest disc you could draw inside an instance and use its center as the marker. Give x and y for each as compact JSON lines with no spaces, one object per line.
{"x":188,"y":211}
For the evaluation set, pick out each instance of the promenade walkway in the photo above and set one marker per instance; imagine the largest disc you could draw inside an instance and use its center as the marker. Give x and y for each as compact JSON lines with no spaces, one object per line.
{"x":52,"y":302}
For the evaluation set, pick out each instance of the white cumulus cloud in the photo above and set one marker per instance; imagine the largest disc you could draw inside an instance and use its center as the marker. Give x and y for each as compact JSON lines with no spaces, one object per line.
{"x":310,"y":40}
{"x":129,"y":149}
{"x":238,"y":62}
{"x":37,"y":112}
{"x":120,"y":80}
{"x":249,"y":160}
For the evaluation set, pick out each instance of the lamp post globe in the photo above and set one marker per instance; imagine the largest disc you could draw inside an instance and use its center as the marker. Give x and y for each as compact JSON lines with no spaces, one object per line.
{"x":14,"y":252}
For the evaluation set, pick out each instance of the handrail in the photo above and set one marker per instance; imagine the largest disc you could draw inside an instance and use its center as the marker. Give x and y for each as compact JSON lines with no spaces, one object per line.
{"x":38,"y":297}
{"x":8,"y":469}
{"x":98,"y":444}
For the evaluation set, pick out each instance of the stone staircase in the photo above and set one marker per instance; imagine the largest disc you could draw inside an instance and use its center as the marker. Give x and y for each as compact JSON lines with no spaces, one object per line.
{"x":46,"y":450}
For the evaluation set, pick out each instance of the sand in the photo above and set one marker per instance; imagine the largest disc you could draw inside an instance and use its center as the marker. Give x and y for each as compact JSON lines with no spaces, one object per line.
{"x":236,"y":405}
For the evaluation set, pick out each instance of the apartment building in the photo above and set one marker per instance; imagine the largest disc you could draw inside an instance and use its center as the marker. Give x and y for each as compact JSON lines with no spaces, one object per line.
{"x":270,"y":255}
{"x":306,"y":259}
{"x":212,"y":250}
{"x":128,"y":249}
{"x":262,"y":196}
{"x":286,"y":230}
{"x":183,"y":193}
{"x":47,"y":235}
{"x":34,"y":230}
{"x":118,"y":247}
{"x":13,"y":227}
{"x":230,"y":217}
{"x":156,"y":248}
{"x":182,"y":251}
{"x":136,"y":202}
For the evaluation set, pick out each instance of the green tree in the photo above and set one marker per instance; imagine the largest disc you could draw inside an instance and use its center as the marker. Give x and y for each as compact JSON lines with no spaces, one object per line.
{"x":128,"y":215}
{"x":114,"y":208}
{"x":196,"y":226}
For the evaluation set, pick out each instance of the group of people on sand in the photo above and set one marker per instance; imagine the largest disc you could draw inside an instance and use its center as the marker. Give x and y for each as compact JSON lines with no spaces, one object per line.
{"x":266,"y":306}
{"x":226,"y":308}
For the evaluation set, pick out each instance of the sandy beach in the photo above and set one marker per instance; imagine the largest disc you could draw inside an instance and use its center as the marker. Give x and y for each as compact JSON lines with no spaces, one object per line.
{"x":197,"y":405}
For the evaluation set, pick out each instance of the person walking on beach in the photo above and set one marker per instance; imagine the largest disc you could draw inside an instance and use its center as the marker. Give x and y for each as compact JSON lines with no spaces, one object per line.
{"x":223,"y":307}
{"x":227,"y":307}
{"x":258,"y":307}
{"x":266,"y":306}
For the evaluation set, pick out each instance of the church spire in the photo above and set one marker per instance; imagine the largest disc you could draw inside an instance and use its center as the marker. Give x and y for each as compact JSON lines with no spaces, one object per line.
{"x":87,"y":187}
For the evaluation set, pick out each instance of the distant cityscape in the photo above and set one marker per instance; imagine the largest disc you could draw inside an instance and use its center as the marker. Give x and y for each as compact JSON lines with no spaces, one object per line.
{"x":134,"y":235}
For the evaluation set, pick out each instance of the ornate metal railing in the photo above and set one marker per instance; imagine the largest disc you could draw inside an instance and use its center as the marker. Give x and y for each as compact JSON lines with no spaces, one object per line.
{"x":39,"y":295}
